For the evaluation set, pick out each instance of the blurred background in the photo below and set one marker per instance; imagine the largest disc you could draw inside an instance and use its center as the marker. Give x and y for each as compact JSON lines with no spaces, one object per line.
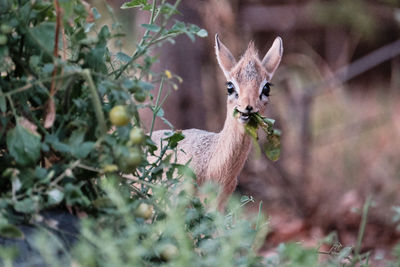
{"x":340,"y":117}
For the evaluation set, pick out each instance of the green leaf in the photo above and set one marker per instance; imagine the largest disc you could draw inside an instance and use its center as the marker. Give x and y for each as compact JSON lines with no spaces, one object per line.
{"x":79,"y":149}
{"x":169,"y":9}
{"x":67,"y":7}
{"x":96,"y":13}
{"x":3,"y":104}
{"x":173,"y":138}
{"x":23,"y":145}
{"x":55,"y":196}
{"x":102,"y":202}
{"x":167,"y":122}
{"x":251,"y":128}
{"x":160,"y":112}
{"x":44,"y":33}
{"x":28,"y":205}
{"x":344,"y":253}
{"x":244,"y":199}
{"x":16,"y":183}
{"x":145,"y":85}
{"x":273,"y":147}
{"x":74,"y":195}
{"x":150,"y":145}
{"x":135,"y":3}
{"x":123,"y":57}
{"x":53,"y":141}
{"x":151,"y":27}
{"x":10,"y":231}
{"x":202,"y":33}
{"x":269,"y":122}
{"x":48,"y":68}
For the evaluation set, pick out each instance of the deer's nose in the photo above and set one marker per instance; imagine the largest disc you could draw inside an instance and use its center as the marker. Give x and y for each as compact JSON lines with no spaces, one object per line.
{"x":249,"y":108}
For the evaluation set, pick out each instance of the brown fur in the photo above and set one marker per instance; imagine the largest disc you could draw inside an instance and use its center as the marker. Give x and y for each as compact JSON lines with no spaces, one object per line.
{"x":221,"y":156}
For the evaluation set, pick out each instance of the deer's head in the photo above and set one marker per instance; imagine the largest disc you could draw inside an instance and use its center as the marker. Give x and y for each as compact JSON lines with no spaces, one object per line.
{"x":248,"y":79}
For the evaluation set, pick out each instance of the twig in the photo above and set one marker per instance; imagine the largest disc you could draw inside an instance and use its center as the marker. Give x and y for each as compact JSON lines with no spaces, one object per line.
{"x":89,"y":168}
{"x":12,"y":106}
{"x":64,"y":173}
{"x":138,"y":51}
{"x":50,"y":115}
{"x":55,"y":51}
{"x":156,"y":108}
{"x":362,"y":226}
{"x":259,"y":217}
{"x":96,"y":102}
{"x":140,"y":181}
{"x":143,"y":47}
{"x":357,"y":67}
{"x":31,"y":84}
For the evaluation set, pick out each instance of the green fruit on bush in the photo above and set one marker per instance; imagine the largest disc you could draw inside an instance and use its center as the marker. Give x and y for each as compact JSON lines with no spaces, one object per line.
{"x":144,"y":211}
{"x":135,"y":89}
{"x":3,"y":39}
{"x":134,"y":157}
{"x":5,"y":28}
{"x":119,"y":116}
{"x":136,"y":136}
{"x":129,"y":159}
{"x":169,"y":252}
{"x":140,"y":96}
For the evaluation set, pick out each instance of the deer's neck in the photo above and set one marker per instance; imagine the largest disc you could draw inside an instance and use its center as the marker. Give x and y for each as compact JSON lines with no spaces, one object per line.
{"x":230,"y":153}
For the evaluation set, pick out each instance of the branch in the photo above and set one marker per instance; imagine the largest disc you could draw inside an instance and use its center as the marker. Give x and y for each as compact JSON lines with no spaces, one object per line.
{"x":51,"y":107}
{"x":358,"y":67}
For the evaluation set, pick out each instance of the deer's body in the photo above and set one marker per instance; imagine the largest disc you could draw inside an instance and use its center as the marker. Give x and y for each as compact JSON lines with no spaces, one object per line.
{"x":220,"y":157}
{"x":214,"y":156}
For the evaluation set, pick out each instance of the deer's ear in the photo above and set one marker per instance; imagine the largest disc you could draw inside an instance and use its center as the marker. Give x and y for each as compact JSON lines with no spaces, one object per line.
{"x":225,"y":58}
{"x":273,"y":57}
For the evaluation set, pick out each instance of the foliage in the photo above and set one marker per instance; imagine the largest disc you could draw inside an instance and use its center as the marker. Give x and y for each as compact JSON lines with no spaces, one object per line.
{"x":272,"y":148}
{"x":178,"y":233}
{"x":56,"y":138}
{"x":67,"y":140}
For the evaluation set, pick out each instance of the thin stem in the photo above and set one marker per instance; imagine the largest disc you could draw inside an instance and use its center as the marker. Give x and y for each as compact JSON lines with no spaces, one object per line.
{"x":55,"y":51}
{"x":140,"y":181}
{"x":153,"y":8}
{"x":156,"y":107}
{"x":96,"y":102}
{"x":165,"y":98}
{"x":362,"y":226}
{"x":89,"y":168}
{"x":31,"y":84}
{"x":162,"y":153}
{"x":38,"y":124}
{"x":357,"y":67}
{"x":139,"y":51}
{"x":12,"y":106}
{"x":142,"y":49}
{"x":64,"y":173}
{"x":259,"y":215}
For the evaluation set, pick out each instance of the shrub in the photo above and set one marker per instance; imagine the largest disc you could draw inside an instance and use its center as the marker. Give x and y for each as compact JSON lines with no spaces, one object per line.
{"x":71,"y":136}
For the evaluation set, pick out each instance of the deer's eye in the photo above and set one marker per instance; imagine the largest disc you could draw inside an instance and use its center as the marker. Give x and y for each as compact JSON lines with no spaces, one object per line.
{"x":266,"y":89}
{"x":230,"y":87}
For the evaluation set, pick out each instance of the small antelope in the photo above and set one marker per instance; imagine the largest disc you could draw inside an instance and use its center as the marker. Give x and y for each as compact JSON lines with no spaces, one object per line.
{"x":220,"y":157}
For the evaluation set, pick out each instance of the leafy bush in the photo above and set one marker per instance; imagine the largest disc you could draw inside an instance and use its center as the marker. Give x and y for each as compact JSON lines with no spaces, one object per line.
{"x":71,"y":136}
{"x":56,"y":137}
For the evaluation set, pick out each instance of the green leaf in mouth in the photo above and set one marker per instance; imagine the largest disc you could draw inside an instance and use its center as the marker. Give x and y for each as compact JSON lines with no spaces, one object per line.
{"x":272,"y":148}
